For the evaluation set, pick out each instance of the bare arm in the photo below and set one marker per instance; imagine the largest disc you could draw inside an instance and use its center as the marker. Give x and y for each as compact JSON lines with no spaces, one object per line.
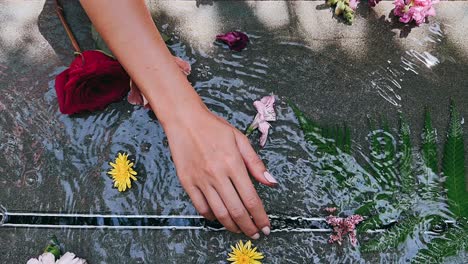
{"x":211,"y":157}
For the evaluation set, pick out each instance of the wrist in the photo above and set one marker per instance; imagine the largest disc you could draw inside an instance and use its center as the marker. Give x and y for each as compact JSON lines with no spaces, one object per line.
{"x":181,"y":114}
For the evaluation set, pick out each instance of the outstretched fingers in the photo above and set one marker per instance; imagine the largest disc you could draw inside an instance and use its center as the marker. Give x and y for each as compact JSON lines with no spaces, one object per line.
{"x":237,"y":209}
{"x":200,"y":203}
{"x":220,"y":210}
{"x":250,"y":199}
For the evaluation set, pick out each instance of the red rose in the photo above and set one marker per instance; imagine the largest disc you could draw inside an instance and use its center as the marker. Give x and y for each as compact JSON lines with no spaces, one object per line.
{"x":93,"y":81}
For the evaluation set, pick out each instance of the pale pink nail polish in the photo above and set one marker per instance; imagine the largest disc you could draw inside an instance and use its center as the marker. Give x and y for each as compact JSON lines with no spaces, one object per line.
{"x":266,"y":230}
{"x":269,"y":178}
{"x":256,"y":236}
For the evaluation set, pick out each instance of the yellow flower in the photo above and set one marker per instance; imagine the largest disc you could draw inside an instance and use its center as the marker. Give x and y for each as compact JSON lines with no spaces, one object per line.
{"x":244,"y":254}
{"x":122,"y":172}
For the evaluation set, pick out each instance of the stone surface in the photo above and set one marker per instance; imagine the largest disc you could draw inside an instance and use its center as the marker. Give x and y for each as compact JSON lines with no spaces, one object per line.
{"x":336,"y":73}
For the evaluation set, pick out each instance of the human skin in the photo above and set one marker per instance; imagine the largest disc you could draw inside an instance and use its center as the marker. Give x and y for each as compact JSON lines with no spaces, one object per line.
{"x":212,"y":158}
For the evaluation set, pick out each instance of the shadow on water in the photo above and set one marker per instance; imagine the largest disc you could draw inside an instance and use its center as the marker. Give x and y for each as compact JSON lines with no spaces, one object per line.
{"x":333,"y":80}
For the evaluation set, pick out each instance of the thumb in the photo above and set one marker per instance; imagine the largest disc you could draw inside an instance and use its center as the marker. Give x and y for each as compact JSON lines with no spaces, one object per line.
{"x":253,"y":163}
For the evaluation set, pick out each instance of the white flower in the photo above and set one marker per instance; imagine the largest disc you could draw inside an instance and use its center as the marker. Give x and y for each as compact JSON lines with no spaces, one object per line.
{"x":49,"y":258}
{"x":70,"y":258}
{"x":46,"y":258}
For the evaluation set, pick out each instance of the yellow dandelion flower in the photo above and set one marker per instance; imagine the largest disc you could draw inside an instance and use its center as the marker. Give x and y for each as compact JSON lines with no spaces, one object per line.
{"x":245,"y":254}
{"x":122,"y":172}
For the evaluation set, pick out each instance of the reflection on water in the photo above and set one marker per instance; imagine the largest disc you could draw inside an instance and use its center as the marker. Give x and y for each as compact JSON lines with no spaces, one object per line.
{"x":58,"y":163}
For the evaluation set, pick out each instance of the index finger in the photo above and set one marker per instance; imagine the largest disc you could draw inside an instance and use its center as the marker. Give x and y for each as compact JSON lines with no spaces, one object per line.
{"x":250,"y":198}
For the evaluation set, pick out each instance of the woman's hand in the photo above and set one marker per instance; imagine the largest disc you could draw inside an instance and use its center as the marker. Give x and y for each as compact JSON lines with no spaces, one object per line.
{"x":212,"y":159}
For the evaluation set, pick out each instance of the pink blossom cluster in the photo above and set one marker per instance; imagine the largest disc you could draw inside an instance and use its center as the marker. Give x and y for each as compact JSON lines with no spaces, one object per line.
{"x":344,"y":226}
{"x":414,"y":10}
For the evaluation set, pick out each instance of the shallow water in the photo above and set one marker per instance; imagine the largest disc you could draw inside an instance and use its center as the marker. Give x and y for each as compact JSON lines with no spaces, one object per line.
{"x":57,"y":163}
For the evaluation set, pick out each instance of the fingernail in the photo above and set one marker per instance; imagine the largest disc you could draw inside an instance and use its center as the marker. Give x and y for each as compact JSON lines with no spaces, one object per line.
{"x":255,"y":237}
{"x":269,"y":178}
{"x":266,"y":230}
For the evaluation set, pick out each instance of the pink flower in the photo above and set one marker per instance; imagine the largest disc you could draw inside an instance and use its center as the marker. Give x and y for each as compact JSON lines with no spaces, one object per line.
{"x":330,"y":210}
{"x":265,"y":113}
{"x":353,"y":4}
{"x":344,"y":226}
{"x":414,"y":10}
{"x":235,"y":40}
{"x":137,"y":98}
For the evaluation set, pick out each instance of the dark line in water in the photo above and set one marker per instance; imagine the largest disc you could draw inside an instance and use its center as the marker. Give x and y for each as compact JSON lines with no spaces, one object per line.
{"x":156,"y":222}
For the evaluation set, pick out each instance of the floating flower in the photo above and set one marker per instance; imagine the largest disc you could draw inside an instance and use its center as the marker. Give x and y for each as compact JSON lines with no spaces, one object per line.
{"x":49,"y":258}
{"x":122,"y":172}
{"x":245,"y":254}
{"x":70,"y":258}
{"x":353,"y":4}
{"x":236,"y":40}
{"x":345,"y":8}
{"x":135,"y":97}
{"x":343,"y":226}
{"x":46,"y":258}
{"x":93,"y":81}
{"x":414,"y":10}
{"x":265,"y":113}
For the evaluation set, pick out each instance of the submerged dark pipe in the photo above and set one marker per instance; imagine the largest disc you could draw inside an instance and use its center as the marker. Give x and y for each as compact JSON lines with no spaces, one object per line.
{"x":52,"y":220}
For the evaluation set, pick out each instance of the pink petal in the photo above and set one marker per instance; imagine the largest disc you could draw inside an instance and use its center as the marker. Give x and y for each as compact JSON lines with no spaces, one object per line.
{"x":268,"y":100}
{"x":255,"y":122}
{"x":353,"y":4}
{"x":263,"y":128}
{"x":265,"y":107}
{"x":134,"y":96}
{"x":431,"y":12}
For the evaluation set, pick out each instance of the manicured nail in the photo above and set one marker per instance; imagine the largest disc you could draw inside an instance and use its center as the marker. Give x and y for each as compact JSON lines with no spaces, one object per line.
{"x":255,"y":237}
{"x":266,"y":230}
{"x":269,"y":178}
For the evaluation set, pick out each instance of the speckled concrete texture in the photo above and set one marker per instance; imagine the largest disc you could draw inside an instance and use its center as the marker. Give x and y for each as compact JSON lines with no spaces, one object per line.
{"x":335,"y":72}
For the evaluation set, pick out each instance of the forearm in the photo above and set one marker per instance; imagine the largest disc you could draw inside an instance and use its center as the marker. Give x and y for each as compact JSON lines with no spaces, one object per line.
{"x":129,"y":31}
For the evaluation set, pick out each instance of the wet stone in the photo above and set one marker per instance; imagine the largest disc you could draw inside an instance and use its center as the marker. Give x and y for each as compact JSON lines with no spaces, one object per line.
{"x":335,"y":73}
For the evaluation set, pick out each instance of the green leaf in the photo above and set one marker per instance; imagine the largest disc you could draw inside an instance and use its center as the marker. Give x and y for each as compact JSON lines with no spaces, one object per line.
{"x":370,"y":223}
{"x":429,"y":144}
{"x":53,"y":247}
{"x":394,"y":236}
{"x":327,"y":139}
{"x":406,"y":158}
{"x":453,"y":241}
{"x":453,"y":166}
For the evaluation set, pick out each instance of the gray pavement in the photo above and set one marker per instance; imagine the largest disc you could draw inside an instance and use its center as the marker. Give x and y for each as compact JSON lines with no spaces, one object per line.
{"x":336,"y":73}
